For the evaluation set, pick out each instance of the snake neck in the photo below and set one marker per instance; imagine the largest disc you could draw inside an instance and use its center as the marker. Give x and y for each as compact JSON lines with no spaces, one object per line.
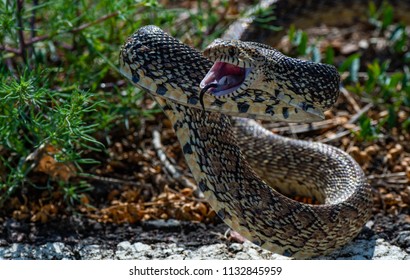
{"x":301,"y":82}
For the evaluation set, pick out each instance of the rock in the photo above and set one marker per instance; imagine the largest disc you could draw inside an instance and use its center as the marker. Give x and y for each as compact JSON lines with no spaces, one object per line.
{"x":94,"y":252}
{"x":385,"y":238}
{"x":235,"y":247}
{"x":403,"y":239}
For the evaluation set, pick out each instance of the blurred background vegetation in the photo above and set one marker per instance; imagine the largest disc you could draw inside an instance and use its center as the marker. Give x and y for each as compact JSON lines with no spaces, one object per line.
{"x":62,"y":98}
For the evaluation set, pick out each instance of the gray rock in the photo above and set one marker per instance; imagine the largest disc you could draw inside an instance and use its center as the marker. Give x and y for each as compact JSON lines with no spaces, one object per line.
{"x":235,"y":247}
{"x":94,"y":252}
{"x":361,"y":248}
{"x":403,"y":239}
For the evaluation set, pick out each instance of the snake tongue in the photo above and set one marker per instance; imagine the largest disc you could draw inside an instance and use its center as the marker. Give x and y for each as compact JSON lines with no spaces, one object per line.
{"x":225,"y":77}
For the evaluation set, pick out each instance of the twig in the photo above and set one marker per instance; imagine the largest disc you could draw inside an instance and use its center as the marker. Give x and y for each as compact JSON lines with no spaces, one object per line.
{"x":352,"y":120}
{"x":339,"y":135}
{"x":398,"y":178}
{"x":10,"y":49}
{"x":108,"y":179}
{"x":156,"y":141}
{"x":33,"y":25}
{"x":359,"y":113}
{"x":19,"y":12}
{"x":302,"y":128}
{"x":33,"y":20}
{"x":387,"y":175}
{"x":350,"y":99}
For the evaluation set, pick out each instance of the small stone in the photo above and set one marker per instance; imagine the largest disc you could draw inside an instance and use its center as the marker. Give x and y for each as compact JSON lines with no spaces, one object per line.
{"x":123,"y":246}
{"x":235,"y":247}
{"x":403,"y":239}
{"x":242,"y":256}
{"x":140,"y":247}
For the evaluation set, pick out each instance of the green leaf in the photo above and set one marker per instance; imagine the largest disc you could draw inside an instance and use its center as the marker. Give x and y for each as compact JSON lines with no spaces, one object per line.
{"x":302,"y":45}
{"x":387,"y":16}
{"x":329,"y":55}
{"x":391,"y":116}
{"x":348,"y":62}
{"x":316,"y":56}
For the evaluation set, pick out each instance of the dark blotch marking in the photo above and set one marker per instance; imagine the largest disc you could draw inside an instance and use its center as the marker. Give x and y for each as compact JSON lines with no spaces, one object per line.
{"x":219,"y":103}
{"x":257,"y":242}
{"x":221,"y":213}
{"x":166,"y":107}
{"x":202,"y":186}
{"x":193,"y":100}
{"x":243,"y":107}
{"x":270,"y":110}
{"x":161,"y":90}
{"x":187,"y":148}
{"x":287,"y":253}
{"x":135,"y":78}
{"x":285,"y":112}
{"x":177,"y":125}
{"x":305,"y":106}
{"x":259,"y":99}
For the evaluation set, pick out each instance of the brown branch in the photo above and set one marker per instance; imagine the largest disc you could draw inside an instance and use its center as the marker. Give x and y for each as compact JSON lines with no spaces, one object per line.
{"x":20,"y":27}
{"x":33,"y":19}
{"x":350,"y":99}
{"x":9,"y":49}
{"x":24,"y":44}
{"x":387,"y":175}
{"x":108,"y":179}
{"x":360,"y":112}
{"x":33,"y":26}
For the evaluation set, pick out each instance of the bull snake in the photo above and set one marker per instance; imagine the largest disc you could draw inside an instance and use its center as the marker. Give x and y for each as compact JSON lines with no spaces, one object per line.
{"x":247,"y":173}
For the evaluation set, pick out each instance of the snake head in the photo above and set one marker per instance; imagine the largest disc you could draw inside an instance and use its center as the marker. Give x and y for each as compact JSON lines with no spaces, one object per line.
{"x":234,"y":68}
{"x":300,"y":89}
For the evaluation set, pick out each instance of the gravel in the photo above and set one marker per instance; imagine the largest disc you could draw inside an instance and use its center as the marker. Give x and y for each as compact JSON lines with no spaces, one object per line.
{"x":385,"y":237}
{"x":358,"y":250}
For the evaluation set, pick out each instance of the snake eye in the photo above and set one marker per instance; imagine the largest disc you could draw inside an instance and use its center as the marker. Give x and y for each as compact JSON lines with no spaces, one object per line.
{"x":231,"y":52}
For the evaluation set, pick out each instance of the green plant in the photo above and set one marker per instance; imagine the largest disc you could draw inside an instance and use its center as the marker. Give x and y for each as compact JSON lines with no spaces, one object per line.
{"x":35,"y":116}
{"x":264,"y":16}
{"x":60,"y":88}
{"x":381,"y":17}
{"x":368,"y":131}
{"x":388,"y":90}
{"x":300,"y":41}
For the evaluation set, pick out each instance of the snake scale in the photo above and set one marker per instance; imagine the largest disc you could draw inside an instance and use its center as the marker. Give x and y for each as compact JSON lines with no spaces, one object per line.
{"x":247,"y":173}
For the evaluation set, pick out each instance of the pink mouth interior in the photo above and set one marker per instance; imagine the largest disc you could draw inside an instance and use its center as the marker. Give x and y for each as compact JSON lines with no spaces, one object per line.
{"x":224,"y":77}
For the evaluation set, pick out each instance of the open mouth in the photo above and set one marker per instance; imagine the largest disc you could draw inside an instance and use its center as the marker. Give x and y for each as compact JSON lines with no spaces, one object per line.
{"x":224,"y":78}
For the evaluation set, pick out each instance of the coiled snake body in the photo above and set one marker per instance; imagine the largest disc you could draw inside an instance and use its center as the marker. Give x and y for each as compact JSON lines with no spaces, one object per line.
{"x":246,"y":172}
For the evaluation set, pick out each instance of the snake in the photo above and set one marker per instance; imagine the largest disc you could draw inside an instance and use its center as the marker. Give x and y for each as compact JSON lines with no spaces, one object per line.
{"x":248,"y":174}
